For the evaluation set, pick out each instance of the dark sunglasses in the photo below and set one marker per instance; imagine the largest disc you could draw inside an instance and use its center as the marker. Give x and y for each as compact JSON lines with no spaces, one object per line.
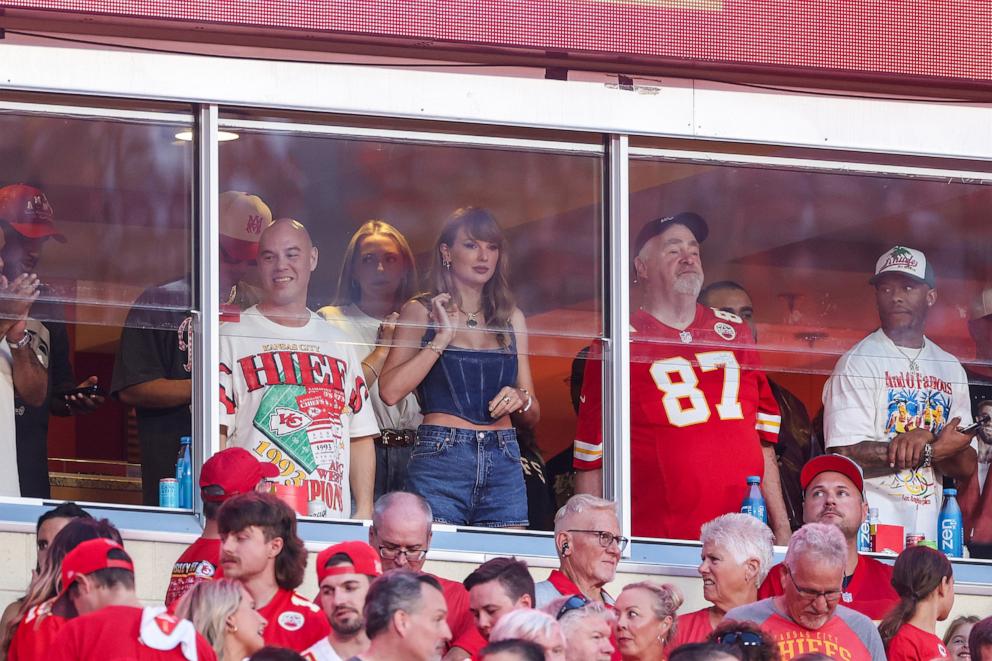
{"x":743,"y":638}
{"x":574,"y":602}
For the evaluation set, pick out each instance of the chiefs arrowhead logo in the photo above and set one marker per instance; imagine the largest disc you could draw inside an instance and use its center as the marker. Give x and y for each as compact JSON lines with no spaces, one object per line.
{"x":284,"y":421}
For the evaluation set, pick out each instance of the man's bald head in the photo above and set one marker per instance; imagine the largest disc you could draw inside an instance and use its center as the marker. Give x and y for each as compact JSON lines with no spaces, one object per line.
{"x":286,"y":258}
{"x":284,"y":225}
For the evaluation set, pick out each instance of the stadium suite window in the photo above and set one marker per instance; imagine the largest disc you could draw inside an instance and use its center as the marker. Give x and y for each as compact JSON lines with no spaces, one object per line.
{"x":800,"y":247}
{"x":97,"y":203}
{"x":547,"y":206}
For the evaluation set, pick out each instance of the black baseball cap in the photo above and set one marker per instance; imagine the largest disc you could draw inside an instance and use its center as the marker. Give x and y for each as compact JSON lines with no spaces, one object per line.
{"x":693,"y":221}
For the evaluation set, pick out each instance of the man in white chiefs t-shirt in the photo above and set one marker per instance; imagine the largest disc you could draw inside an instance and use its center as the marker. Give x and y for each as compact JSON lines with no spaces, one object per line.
{"x":292,"y":390}
{"x":895,"y":400}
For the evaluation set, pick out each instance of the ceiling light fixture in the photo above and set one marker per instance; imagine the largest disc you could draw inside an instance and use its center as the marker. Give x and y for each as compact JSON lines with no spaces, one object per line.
{"x":186,"y":135}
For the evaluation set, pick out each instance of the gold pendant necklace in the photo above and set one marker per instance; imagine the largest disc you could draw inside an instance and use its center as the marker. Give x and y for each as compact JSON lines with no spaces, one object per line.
{"x":472,"y":322}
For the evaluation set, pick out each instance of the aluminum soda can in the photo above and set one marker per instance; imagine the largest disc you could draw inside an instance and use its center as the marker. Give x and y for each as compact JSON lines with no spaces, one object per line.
{"x":914,"y":538}
{"x":168,"y":492}
{"x":316,"y":508}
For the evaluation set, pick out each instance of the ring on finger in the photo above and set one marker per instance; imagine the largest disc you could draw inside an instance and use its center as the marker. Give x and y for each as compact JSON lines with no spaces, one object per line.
{"x":506,"y":398}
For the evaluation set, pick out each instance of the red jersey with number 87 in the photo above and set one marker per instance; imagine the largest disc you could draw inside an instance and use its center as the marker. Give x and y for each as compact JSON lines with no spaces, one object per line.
{"x":700,"y":407}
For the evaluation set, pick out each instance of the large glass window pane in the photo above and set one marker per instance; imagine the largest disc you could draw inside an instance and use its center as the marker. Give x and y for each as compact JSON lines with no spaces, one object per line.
{"x":96,"y":213}
{"x":791,"y":252}
{"x":374,"y":207}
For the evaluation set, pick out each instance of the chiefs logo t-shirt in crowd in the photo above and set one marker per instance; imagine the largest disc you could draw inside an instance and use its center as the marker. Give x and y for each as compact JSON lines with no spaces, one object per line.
{"x":116,"y":633}
{"x":847,"y":636}
{"x":700,"y":407}
{"x":35,"y":633}
{"x":293,"y":621}
{"x":295,"y":397}
{"x":198,"y":563}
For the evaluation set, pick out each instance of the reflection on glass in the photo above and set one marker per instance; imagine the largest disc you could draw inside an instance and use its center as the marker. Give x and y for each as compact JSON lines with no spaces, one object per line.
{"x":375,"y":209}
{"x":91,"y":211}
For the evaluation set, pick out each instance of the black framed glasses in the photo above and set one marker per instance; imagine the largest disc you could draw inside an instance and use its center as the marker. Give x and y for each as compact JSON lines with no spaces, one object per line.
{"x":606,"y":538}
{"x":741,"y":638}
{"x":574,"y":602}
{"x":393,"y":552}
{"x":809,"y":594}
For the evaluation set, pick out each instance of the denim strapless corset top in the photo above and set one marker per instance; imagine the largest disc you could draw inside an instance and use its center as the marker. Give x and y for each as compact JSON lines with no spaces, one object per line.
{"x":463,"y":381}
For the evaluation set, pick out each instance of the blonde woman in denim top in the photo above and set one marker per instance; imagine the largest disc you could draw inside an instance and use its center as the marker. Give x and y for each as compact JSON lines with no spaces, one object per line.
{"x":471,"y":375}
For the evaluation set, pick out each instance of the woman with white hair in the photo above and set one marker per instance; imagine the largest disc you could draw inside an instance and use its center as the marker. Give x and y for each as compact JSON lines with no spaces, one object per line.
{"x":535,"y":626}
{"x":735,"y":558}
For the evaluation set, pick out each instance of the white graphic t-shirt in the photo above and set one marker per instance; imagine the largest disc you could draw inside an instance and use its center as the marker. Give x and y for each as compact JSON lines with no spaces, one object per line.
{"x":873,"y":395}
{"x":295,"y":397}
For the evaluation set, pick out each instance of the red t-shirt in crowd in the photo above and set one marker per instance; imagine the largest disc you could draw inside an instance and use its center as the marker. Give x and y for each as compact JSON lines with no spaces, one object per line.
{"x":460,"y":620}
{"x":293,"y":621}
{"x":115,"y":633}
{"x":700,"y":407}
{"x":914,"y":644}
{"x":199,"y":562}
{"x":35,"y":633}
{"x":870,"y":591}
{"x":692,"y":628}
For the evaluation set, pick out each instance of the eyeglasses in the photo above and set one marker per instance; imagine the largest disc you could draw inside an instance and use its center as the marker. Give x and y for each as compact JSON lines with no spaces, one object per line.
{"x":606,"y":538}
{"x":574,"y":602}
{"x":393,"y":552}
{"x":743,"y":638}
{"x":829,"y":596}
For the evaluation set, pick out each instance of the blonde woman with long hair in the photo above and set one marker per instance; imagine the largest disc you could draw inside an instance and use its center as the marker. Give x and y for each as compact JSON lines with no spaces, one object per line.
{"x":471,"y":375}
{"x":224,"y":613}
{"x":378,"y":275}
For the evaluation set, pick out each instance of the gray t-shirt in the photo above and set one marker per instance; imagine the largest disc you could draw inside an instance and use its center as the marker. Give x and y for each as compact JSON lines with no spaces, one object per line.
{"x":847,"y":636}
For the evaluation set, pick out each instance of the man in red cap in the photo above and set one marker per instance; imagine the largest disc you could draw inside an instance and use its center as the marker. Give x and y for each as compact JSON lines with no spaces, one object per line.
{"x":228,"y":473}
{"x":32,"y":349}
{"x":260,"y":548}
{"x":98,"y":578}
{"x":344,"y":573}
{"x":155,"y":356}
{"x":833,"y":492}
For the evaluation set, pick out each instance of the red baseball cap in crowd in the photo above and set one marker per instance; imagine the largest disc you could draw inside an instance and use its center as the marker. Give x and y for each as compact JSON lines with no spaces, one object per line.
{"x":90,"y":556}
{"x":832,"y":463}
{"x":232,"y":472}
{"x":364,"y":560}
{"x":27,"y":210}
{"x":243,"y":217}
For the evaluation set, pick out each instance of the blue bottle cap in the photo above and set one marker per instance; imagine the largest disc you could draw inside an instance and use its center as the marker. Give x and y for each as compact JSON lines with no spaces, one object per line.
{"x":184,"y":440}
{"x":950,"y":492}
{"x":753,"y":479}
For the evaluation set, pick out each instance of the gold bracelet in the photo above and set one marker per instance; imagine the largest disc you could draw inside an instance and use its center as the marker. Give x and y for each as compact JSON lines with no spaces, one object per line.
{"x":435,"y":348}
{"x":374,"y":370}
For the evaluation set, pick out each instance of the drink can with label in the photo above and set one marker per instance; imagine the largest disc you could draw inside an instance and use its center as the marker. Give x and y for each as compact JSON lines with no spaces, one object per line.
{"x":168,"y":492}
{"x":914,"y":538}
{"x":317,"y":508}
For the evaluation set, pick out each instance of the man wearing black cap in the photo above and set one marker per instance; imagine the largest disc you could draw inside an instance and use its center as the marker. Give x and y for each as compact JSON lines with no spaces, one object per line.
{"x":894,"y":402}
{"x":703,"y":417}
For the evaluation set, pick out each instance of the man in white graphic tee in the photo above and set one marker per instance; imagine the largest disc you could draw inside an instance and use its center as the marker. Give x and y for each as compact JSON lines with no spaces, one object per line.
{"x":895,"y":400}
{"x":292,"y":390}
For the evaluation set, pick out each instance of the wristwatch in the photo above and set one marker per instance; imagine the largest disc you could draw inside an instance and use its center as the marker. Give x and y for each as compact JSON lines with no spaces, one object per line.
{"x":927,"y":456}
{"x":21,"y":343}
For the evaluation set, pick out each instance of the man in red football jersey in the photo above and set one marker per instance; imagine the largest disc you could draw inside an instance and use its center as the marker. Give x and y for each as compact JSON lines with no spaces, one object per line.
{"x":703,"y":417}
{"x":98,"y":578}
{"x":260,"y":548}
{"x":833,"y":488}
{"x":228,"y":473}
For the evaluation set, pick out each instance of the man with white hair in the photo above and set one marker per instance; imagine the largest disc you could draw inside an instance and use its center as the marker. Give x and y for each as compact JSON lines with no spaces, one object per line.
{"x":703,"y":418}
{"x":833,"y":492}
{"x":588,"y":543}
{"x":587,"y":627}
{"x":736,"y":556}
{"x":806,"y":617}
{"x":535,"y":626}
